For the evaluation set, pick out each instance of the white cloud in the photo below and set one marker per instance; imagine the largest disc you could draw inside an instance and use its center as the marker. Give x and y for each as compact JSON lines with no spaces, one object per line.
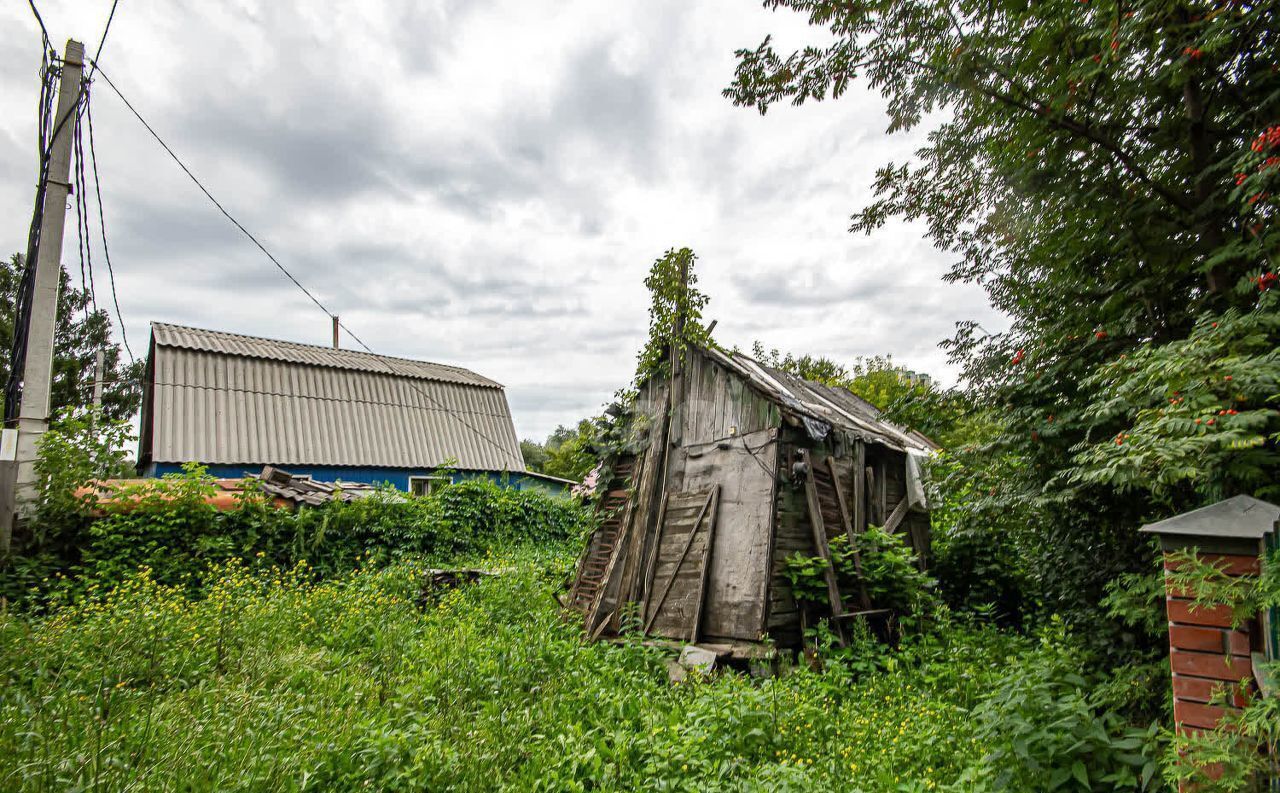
{"x":483,"y":183}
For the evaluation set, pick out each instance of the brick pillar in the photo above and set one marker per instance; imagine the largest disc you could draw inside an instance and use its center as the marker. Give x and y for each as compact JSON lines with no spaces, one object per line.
{"x":1207,"y":655}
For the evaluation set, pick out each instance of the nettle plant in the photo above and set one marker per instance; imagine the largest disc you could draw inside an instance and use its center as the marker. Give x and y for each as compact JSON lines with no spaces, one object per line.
{"x":890,"y":572}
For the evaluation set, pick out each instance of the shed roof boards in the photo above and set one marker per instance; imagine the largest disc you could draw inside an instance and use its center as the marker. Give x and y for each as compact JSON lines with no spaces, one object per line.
{"x":224,"y":398}
{"x":833,"y":406}
{"x":1239,"y":516}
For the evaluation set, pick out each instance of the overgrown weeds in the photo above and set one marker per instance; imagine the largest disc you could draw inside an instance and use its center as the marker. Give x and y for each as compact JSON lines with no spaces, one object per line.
{"x":272,"y":679}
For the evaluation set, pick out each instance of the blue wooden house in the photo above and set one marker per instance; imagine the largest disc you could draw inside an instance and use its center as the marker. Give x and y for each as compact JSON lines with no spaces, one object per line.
{"x":237,"y":403}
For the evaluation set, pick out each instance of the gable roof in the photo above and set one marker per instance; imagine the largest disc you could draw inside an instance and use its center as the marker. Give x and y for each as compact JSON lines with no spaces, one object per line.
{"x":224,"y":398}
{"x":837,"y":407}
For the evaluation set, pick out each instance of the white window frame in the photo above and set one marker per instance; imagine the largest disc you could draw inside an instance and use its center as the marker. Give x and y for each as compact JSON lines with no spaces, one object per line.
{"x":430,"y":484}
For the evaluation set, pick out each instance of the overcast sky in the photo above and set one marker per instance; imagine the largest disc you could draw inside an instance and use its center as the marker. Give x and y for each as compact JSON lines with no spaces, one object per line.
{"x":480,"y":183}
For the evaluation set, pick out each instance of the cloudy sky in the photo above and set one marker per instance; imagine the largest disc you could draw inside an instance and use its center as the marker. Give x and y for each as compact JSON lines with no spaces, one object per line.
{"x":480,"y":183}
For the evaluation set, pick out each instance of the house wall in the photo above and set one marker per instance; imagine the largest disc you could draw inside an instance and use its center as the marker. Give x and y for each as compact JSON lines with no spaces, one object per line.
{"x":722,"y":433}
{"x":395,"y":477}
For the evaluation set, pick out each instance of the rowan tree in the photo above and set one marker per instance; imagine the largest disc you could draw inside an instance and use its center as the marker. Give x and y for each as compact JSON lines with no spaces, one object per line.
{"x":1106,"y":170}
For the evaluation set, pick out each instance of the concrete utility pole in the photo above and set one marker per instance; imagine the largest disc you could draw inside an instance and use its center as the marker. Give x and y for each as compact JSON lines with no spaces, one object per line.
{"x":99,"y":367}
{"x":18,"y":484}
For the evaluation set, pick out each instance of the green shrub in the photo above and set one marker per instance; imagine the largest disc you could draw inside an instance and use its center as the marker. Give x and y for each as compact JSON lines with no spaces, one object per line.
{"x":890,"y":572}
{"x":1045,"y":732}
{"x":168,"y":527}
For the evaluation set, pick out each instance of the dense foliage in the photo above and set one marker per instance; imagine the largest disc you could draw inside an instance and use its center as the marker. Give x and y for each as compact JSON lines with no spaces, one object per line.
{"x":675,"y":312}
{"x":170,"y":527}
{"x":274,"y":681}
{"x":885,"y":566}
{"x":568,"y":452}
{"x":82,"y":329}
{"x":1106,"y":171}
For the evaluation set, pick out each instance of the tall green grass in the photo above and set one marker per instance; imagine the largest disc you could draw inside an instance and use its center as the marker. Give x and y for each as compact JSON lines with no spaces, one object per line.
{"x":274,"y":680}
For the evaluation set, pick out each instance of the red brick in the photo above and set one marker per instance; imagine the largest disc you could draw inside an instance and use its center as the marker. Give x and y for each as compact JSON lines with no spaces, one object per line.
{"x":1234,"y":564}
{"x":1199,"y":689}
{"x":1211,"y":665}
{"x":1197,"y":714}
{"x":1181,"y":611}
{"x":1208,"y":640}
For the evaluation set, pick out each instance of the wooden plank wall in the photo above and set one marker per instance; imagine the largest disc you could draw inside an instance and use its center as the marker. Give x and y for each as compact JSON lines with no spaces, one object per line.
{"x":717,"y":404}
{"x":738,"y":580}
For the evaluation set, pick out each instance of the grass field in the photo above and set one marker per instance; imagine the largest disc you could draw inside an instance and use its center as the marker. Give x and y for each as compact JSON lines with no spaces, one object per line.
{"x":274,"y":682}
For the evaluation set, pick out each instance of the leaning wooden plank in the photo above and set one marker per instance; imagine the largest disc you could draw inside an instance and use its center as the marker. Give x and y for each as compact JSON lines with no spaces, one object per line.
{"x":863,"y":599}
{"x":706,"y":563}
{"x":679,"y":561}
{"x":651,"y":567}
{"x":899,"y":512}
{"x":653,"y":493}
{"x":820,"y":534}
{"x":859,"y":487}
{"x":619,"y":548}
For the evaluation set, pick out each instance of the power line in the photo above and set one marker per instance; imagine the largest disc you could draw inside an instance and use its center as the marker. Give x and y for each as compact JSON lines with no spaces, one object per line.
{"x":102,"y":225}
{"x":106,"y":29}
{"x":44,"y":32}
{"x":99,"y":70}
{"x":209,"y":195}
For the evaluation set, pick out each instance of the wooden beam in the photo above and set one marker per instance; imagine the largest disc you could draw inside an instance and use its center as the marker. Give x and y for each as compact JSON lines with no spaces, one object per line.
{"x":819,"y":529}
{"x":863,"y":599}
{"x":882,"y":491}
{"x":871,"y":489}
{"x":706,"y":564}
{"x":859,"y":487}
{"x":899,"y":512}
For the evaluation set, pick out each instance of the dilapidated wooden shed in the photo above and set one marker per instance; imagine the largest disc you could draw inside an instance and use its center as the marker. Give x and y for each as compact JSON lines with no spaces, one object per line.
{"x":730,"y":467}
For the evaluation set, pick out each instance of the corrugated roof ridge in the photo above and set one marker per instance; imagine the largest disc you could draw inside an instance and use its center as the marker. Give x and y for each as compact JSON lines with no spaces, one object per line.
{"x":889,"y":431}
{"x":336,"y":364}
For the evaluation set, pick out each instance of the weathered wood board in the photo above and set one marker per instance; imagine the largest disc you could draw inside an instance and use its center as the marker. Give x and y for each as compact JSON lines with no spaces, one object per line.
{"x":682,"y":550}
{"x":738,"y":578}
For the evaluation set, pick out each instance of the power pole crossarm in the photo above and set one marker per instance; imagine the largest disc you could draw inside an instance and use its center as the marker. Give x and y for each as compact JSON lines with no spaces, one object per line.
{"x":18,"y":487}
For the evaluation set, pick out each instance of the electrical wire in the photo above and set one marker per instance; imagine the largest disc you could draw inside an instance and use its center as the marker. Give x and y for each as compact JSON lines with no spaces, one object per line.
{"x":209,"y":195}
{"x":83,"y":241}
{"x":44,"y":32}
{"x":102,"y":226}
{"x":505,"y":449}
{"x":102,"y":41}
{"x":26,"y":288}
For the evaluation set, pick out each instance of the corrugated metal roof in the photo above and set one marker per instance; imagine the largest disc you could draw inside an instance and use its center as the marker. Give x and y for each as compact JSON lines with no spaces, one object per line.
{"x":311,"y":354}
{"x":224,"y":398}
{"x":836,"y":406}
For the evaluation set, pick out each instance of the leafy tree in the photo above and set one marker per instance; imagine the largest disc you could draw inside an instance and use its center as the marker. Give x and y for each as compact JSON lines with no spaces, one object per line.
{"x":571,"y":451}
{"x":81,"y":331}
{"x":1106,"y":170}
{"x":534,"y":454}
